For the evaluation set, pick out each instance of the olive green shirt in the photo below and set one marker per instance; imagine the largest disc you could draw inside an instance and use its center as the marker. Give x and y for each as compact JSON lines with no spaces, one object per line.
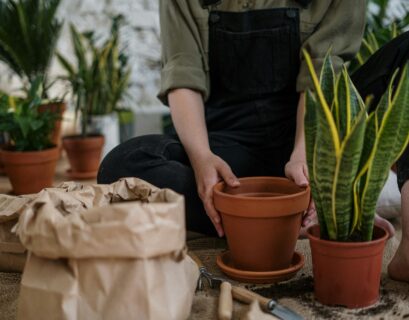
{"x":324,"y":24}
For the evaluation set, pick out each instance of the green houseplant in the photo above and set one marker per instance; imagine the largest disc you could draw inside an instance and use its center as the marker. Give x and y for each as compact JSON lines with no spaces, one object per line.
{"x":349,"y":154}
{"x":30,"y":157}
{"x":99,"y":82}
{"x":29,"y":31}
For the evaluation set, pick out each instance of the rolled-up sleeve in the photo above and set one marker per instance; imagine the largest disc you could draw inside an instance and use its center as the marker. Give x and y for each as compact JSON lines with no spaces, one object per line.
{"x":182,"y":50}
{"x":341,"y":29}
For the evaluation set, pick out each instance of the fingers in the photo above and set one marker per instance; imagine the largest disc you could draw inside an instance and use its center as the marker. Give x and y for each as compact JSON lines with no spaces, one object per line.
{"x":227,"y":174}
{"x":214,"y":216}
{"x":300,"y":178}
{"x":310,"y":217}
{"x":206,"y":194}
{"x":297,"y":171}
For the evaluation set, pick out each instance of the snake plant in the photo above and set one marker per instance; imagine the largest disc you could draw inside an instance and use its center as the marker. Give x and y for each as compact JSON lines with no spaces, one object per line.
{"x":350,"y":152}
{"x":100,"y":79}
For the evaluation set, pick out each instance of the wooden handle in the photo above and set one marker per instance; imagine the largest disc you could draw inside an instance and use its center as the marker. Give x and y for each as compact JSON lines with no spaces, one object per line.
{"x":247,"y":296}
{"x":196,"y":259}
{"x":225,"y":302}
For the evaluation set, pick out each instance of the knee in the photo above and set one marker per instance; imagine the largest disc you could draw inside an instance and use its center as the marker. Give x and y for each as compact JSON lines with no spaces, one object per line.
{"x":132,"y":158}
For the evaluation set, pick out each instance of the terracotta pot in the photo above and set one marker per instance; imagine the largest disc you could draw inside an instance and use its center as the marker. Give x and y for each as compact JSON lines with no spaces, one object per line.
{"x":347,"y":273}
{"x":262,"y":220}
{"x":2,"y":169}
{"x":84,"y":154}
{"x":59,"y":108}
{"x":30,"y":172}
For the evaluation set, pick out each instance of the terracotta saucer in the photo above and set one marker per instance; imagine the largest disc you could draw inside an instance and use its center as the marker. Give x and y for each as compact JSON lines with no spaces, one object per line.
{"x":225,"y":263}
{"x":81,"y":175}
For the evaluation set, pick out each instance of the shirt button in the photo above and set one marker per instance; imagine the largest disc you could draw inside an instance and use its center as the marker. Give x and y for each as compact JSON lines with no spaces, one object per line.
{"x":214,"y":18}
{"x":291,"y":14}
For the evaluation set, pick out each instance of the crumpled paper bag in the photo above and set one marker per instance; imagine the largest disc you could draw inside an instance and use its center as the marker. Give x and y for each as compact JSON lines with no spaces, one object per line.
{"x":106,"y":252}
{"x":12,"y":253}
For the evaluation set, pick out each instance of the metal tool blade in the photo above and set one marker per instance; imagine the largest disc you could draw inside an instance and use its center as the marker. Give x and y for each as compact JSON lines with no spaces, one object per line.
{"x":282,"y":312}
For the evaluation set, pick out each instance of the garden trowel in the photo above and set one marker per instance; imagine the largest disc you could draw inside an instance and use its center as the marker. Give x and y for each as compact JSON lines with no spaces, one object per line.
{"x":241,"y":294}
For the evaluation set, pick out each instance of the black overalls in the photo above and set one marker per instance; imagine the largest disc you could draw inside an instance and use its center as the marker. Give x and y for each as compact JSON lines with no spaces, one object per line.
{"x":250,"y":115}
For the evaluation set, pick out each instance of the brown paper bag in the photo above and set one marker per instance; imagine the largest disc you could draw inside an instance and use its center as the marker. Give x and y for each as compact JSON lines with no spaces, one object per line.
{"x":12,"y":253}
{"x":106,"y":252}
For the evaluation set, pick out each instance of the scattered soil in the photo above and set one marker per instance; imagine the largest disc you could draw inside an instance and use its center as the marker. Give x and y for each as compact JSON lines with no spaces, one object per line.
{"x":303,"y":290}
{"x":293,"y":289}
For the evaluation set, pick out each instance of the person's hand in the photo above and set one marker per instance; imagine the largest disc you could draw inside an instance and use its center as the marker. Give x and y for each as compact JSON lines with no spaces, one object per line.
{"x":209,"y":170}
{"x":297,"y":171}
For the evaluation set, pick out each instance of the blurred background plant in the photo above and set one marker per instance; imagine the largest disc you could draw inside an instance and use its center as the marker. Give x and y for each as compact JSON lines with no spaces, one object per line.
{"x":386,"y":19}
{"x":29,"y":30}
{"x":100,"y":79}
{"x":28,"y":129}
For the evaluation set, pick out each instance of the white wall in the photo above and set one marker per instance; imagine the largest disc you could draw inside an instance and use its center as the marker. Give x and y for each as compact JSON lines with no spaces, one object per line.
{"x":140,"y":34}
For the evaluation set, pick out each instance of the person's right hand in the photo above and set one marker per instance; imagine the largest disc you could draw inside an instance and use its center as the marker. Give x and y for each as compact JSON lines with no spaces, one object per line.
{"x":209,"y":170}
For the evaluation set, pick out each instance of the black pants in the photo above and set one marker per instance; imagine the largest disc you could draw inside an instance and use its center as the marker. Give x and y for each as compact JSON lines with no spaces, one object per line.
{"x":162,"y":161}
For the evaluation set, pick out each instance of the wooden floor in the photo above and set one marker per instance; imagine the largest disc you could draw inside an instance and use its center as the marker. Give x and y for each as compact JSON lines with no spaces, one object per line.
{"x":60,"y":176}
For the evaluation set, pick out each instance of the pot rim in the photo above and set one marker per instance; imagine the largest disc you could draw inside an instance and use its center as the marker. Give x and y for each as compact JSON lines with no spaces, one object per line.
{"x":27,"y":153}
{"x":93,"y":136}
{"x":218,"y":187}
{"x":341,"y":244}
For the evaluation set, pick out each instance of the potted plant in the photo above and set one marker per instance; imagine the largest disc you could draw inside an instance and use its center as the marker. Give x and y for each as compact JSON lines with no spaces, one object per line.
{"x":29,"y":31}
{"x":30,"y":158}
{"x":99,"y":81}
{"x":349,"y":154}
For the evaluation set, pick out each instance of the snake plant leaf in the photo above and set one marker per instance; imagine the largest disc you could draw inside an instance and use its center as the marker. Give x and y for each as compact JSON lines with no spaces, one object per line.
{"x":359,"y":183}
{"x":327,"y":151}
{"x":385,"y":101}
{"x":66,"y":65}
{"x":349,"y":104}
{"x":79,"y":49}
{"x":391,"y":139}
{"x":310,"y":124}
{"x":327,"y":79}
{"x":345,"y":173}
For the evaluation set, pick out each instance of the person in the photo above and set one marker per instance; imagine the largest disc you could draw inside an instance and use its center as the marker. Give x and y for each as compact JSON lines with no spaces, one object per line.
{"x":233,"y":76}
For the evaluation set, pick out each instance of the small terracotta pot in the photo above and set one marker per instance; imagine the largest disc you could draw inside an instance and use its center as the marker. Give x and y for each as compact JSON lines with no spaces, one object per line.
{"x":84,"y":154}
{"x":58,"y":108}
{"x":30,"y":172}
{"x":262,"y":220}
{"x":347,"y":273}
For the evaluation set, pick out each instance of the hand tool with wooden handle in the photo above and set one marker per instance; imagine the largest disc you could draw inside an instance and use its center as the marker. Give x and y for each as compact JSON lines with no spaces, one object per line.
{"x":225,"y":302}
{"x":244,"y":295}
{"x":268,"y":305}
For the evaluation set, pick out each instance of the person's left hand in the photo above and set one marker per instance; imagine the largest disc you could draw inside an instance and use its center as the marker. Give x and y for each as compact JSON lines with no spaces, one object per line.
{"x":297,"y":171}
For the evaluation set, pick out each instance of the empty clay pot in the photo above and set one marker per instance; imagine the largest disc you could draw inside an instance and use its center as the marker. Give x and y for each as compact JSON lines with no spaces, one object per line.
{"x":84,"y":154}
{"x":30,"y":172}
{"x":262,"y":219}
{"x":347,"y":274}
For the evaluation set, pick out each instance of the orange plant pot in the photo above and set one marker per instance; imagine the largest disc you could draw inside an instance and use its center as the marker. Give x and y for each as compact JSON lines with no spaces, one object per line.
{"x":347,"y":273}
{"x":30,"y":172}
{"x":262,"y":219}
{"x":84,"y":155}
